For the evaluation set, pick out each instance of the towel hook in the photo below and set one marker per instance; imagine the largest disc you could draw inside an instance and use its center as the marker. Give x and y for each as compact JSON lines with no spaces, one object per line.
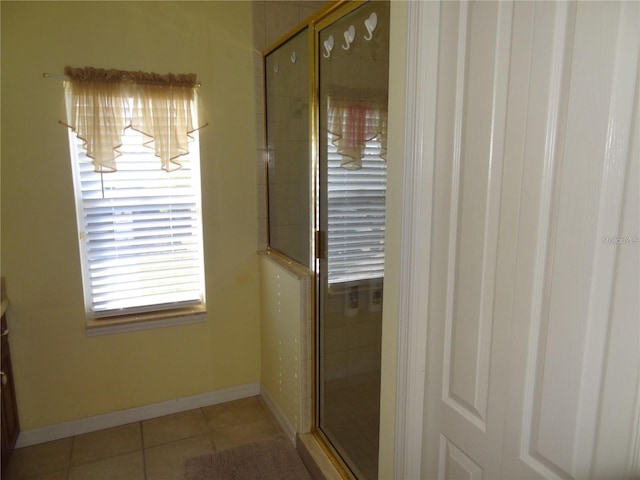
{"x":293,"y":57}
{"x":349,"y":37}
{"x":370,"y":24}
{"x":328,"y":46}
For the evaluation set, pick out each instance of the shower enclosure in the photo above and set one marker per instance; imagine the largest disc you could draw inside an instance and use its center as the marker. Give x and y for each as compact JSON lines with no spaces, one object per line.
{"x":326,"y":110}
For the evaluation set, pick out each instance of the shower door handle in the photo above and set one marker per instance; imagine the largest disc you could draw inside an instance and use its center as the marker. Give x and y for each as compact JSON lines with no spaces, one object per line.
{"x":320,"y":241}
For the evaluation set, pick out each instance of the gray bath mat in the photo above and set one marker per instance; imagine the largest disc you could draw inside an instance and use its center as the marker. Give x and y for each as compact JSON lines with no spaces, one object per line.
{"x":272,"y":458}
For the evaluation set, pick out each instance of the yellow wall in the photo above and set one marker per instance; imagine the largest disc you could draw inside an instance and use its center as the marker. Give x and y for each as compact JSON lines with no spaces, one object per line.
{"x":61,"y":374}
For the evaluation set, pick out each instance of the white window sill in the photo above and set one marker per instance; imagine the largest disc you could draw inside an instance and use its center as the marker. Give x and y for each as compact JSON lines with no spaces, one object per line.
{"x":145,"y":321}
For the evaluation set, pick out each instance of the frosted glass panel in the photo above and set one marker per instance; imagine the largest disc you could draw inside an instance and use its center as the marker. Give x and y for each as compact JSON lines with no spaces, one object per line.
{"x":288,"y":143}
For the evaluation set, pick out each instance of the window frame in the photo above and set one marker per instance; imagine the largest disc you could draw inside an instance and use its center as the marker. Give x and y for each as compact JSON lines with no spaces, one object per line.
{"x":141,"y":317}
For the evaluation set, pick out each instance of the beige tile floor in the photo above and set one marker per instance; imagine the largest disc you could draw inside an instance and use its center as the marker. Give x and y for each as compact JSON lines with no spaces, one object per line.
{"x":154,"y":449}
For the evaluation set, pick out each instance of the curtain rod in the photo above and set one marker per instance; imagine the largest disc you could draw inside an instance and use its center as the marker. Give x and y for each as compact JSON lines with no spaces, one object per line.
{"x":62,"y":76}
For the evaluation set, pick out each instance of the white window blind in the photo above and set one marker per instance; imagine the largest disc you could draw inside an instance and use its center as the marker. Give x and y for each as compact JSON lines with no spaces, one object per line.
{"x":356,"y":216}
{"x":140,"y":231}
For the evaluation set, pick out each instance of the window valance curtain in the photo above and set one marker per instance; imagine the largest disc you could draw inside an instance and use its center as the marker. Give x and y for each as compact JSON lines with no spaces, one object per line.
{"x":101,"y":104}
{"x":352,"y":124}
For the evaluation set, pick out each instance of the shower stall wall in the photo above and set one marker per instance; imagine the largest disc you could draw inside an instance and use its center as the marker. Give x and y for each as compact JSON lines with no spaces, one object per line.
{"x":326,"y":111}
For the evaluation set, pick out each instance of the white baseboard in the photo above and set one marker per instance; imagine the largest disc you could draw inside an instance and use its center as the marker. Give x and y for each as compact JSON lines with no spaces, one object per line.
{"x":137,"y":414}
{"x":280,"y":417}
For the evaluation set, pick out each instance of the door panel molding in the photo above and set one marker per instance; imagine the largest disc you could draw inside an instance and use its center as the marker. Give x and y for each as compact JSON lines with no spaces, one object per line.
{"x":454,"y":463}
{"x":478,"y":228}
{"x":549,"y":152}
{"x":467,"y":407}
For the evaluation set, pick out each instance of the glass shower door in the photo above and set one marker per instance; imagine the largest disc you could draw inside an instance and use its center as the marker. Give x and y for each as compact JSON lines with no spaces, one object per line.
{"x":353,"y":85}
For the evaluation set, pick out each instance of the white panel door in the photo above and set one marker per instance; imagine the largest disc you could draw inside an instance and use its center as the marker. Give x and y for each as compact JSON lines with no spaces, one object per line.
{"x":533,"y":322}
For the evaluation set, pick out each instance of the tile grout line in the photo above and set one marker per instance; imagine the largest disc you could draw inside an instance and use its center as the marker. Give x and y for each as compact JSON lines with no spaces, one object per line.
{"x":73,"y":445}
{"x":144,"y":453}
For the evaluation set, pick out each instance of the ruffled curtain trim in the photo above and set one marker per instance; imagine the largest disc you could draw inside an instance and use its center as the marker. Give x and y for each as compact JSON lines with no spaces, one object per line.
{"x":91,"y":74}
{"x":101,"y":104}
{"x":351,"y":125}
